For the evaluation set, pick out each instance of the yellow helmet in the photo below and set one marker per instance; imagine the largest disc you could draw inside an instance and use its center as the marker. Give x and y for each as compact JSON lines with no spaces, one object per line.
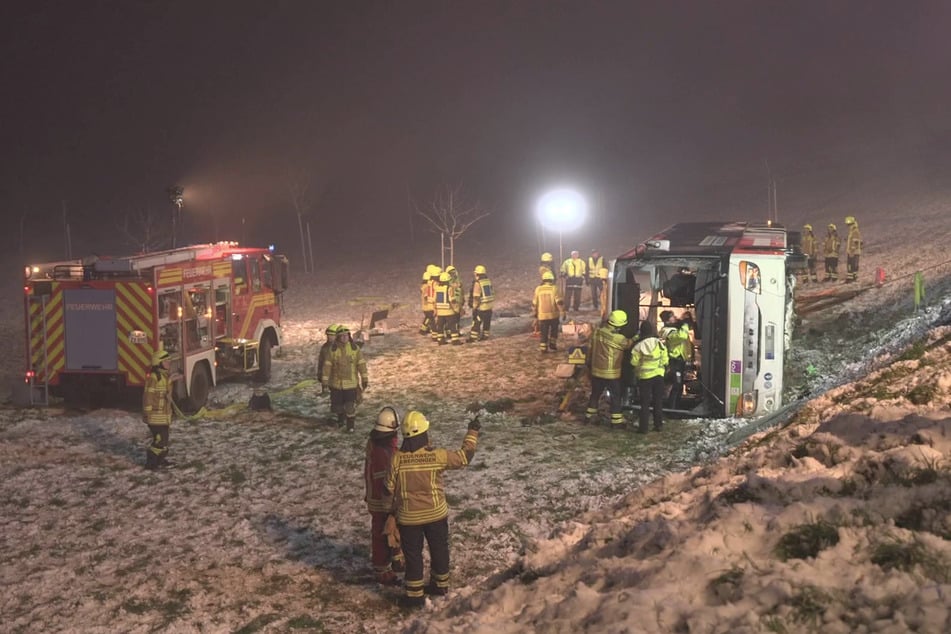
{"x":832,"y":226}
{"x":331,"y":330}
{"x":546,"y":257}
{"x":617,"y":318}
{"x":159,"y":355}
{"x":807,"y":227}
{"x":850,"y":220}
{"x":479,"y":270}
{"x":445,"y":277}
{"x":387,"y":420}
{"x":414,"y":424}
{"x":436,"y":271}
{"x":426,"y":275}
{"x":548,"y":276}
{"x":450,"y":269}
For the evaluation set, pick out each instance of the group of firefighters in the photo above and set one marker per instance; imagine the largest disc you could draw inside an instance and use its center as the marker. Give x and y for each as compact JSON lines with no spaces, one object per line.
{"x":831,"y":250}
{"x":444,"y":303}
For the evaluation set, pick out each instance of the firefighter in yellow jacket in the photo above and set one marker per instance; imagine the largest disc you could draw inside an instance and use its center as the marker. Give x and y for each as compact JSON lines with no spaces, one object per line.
{"x":853,"y":249}
{"x":547,"y":307}
{"x":810,"y":249}
{"x":426,"y":301}
{"x":415,"y":480}
{"x":481,"y":299}
{"x":831,"y":248}
{"x":607,"y":354}
{"x":157,"y":409}
{"x":345,"y":373}
{"x":447,"y":303}
{"x":649,"y":358}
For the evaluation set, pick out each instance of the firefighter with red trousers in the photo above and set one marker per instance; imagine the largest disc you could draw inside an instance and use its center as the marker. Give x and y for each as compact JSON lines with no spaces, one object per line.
{"x":415,"y":480}
{"x":381,"y":445}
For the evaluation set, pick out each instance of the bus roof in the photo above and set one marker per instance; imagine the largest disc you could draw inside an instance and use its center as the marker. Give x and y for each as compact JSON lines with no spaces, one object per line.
{"x":711,"y":238}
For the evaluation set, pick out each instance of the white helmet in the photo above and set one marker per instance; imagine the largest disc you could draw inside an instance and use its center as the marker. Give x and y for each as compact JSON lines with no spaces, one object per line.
{"x":387,"y":420}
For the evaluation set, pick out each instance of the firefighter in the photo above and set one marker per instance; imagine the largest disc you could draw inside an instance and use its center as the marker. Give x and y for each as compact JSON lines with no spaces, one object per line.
{"x":595,"y":283}
{"x":345,"y":373}
{"x":157,"y":409}
{"x":381,"y":445}
{"x":830,"y":249}
{"x":676,"y":337}
{"x":853,"y":249}
{"x":607,"y":353}
{"x":456,"y":283}
{"x":331,"y":333}
{"x":573,"y":271}
{"x":481,"y":298}
{"x":426,"y":302}
{"x":810,"y":248}
{"x":547,"y":264}
{"x":547,"y":307}
{"x":649,"y":358}
{"x":447,"y":311}
{"x":415,"y":480}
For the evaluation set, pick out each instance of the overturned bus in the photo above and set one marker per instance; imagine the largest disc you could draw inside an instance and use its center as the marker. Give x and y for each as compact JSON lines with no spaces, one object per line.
{"x":733,"y":283}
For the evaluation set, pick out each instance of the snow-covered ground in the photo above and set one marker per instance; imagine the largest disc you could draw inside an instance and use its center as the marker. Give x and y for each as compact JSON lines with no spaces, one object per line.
{"x":838,"y":521}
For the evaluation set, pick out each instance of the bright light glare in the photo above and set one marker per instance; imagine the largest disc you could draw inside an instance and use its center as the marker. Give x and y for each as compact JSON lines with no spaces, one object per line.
{"x":562,"y":210}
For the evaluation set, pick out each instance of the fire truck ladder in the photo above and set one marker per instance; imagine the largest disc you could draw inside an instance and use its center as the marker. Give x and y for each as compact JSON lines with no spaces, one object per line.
{"x":40,"y":391}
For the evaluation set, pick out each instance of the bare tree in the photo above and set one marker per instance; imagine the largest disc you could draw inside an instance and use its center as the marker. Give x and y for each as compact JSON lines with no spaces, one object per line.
{"x":302,"y":200}
{"x":144,"y":230}
{"x":451,"y":215}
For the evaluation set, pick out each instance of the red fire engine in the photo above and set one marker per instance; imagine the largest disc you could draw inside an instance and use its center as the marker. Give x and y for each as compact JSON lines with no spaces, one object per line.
{"x":92,"y":325}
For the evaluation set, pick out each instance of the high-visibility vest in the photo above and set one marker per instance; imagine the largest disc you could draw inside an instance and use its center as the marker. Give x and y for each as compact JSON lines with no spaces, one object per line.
{"x":649,"y":358}
{"x":607,"y":352}
{"x":482,"y":295}
{"x":547,"y":302}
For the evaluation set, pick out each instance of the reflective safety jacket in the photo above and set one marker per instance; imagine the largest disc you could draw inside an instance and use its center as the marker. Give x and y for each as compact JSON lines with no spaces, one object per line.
{"x":853,"y":242}
{"x":832,"y":245}
{"x":416,"y":481}
{"x":677,"y":340}
{"x":381,"y":446}
{"x":426,"y":301}
{"x":810,"y":246}
{"x":344,"y":366}
{"x":607,"y":352}
{"x":649,"y":358}
{"x":321,"y":357}
{"x":446,"y":299}
{"x":595,"y":265}
{"x":481,"y":297}
{"x":573,"y":268}
{"x":547,"y":302}
{"x":157,"y":399}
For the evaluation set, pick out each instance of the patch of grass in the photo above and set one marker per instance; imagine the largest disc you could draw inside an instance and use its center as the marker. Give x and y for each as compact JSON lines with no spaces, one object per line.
{"x":471,"y":514}
{"x":926,"y":518}
{"x":807,"y":540}
{"x":773,"y":623}
{"x":257,"y":623}
{"x":914,"y":351}
{"x":235,"y":475}
{"x":906,"y":556}
{"x":738,"y":495}
{"x":725,"y":588}
{"x":58,"y":502}
{"x":306,"y":622}
{"x":922,"y":394}
{"x":809,"y":604}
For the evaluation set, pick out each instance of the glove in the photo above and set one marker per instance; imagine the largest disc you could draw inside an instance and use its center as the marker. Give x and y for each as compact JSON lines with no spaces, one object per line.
{"x":392,"y":532}
{"x":475,"y":424}
{"x":366,"y":383}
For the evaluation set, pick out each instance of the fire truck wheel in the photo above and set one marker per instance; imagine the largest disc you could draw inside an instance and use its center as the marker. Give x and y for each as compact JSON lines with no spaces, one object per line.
{"x":264,"y":360}
{"x":200,"y":385}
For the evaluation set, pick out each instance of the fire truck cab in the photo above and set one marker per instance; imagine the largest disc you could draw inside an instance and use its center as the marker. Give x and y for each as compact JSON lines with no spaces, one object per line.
{"x":93,"y":324}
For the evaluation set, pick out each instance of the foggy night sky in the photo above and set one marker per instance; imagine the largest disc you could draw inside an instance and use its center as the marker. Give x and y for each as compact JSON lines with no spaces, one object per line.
{"x":652,"y":108}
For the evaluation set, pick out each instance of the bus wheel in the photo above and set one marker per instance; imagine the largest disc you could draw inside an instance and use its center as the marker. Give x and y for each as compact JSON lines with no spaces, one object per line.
{"x":264,"y":360}
{"x":200,"y":386}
